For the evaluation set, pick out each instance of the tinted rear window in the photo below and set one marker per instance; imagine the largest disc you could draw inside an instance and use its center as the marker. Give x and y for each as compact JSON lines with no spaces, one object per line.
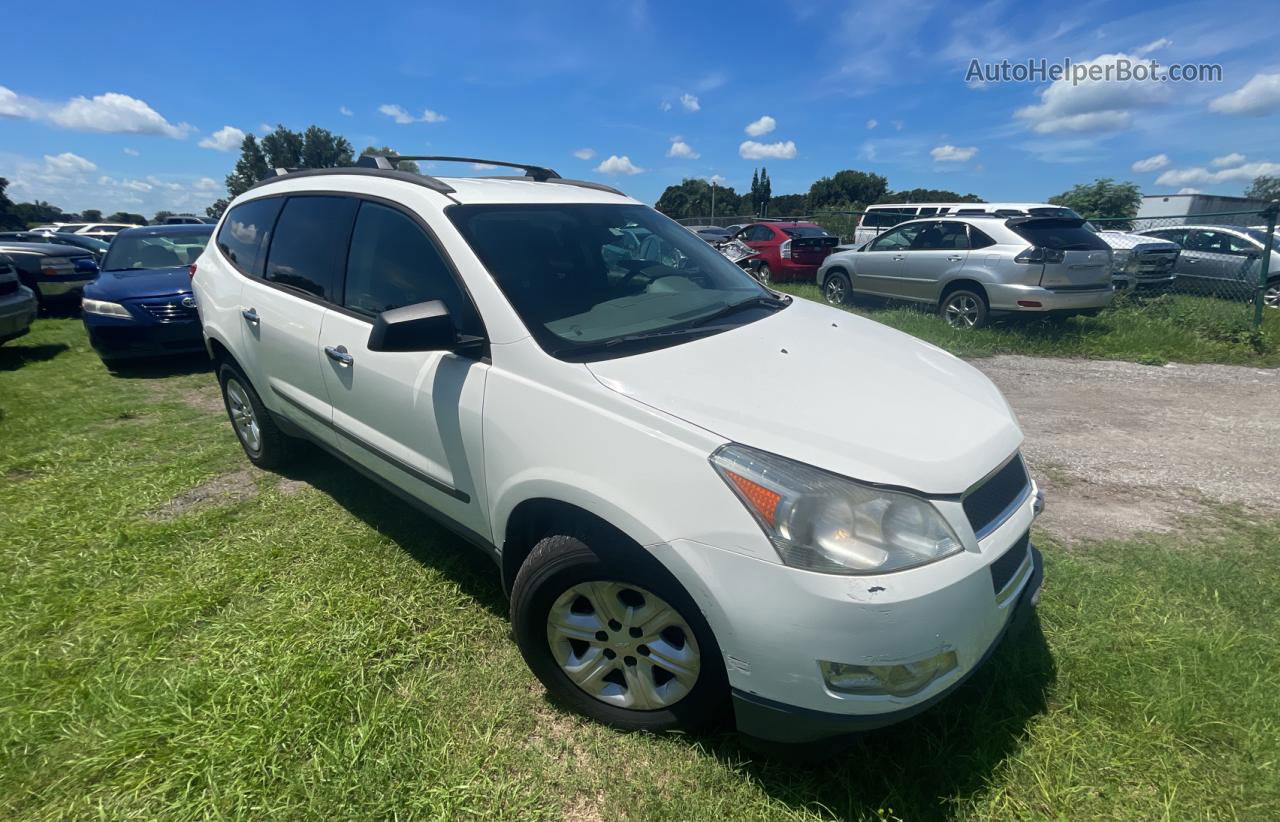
{"x":1065,"y":235}
{"x":805,"y":231}
{"x":244,"y":234}
{"x":310,"y":244}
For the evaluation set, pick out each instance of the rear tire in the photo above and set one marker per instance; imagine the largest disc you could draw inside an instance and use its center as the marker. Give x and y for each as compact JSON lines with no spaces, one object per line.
{"x":837,"y":289}
{"x":1271,"y":296}
{"x":594,"y":633}
{"x":763,"y":273}
{"x":263,"y":442}
{"x":964,"y":308}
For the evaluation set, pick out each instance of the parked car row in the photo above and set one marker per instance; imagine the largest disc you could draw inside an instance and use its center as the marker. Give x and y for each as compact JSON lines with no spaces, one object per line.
{"x":1222,"y":260}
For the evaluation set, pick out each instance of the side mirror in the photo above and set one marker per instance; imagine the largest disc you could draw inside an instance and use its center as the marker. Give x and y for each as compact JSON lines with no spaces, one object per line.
{"x":420,"y":327}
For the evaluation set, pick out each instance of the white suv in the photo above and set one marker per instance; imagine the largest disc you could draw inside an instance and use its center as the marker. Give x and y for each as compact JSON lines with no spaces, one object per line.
{"x":696,"y":490}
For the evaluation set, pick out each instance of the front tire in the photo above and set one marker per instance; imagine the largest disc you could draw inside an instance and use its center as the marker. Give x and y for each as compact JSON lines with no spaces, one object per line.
{"x":263,"y":442}
{"x":837,"y":288}
{"x":618,"y":641}
{"x":1271,"y":296}
{"x":763,"y":273}
{"x":964,"y":309}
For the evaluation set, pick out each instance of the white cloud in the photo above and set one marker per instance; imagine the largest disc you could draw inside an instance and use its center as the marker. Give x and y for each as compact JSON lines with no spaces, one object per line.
{"x":1154,"y":45}
{"x":67,"y":163}
{"x":716,"y":179}
{"x":226,"y":138}
{"x":764,"y":125}
{"x":872,"y":123}
{"x":1188,"y":190}
{"x":1092,"y":105}
{"x":344,"y":111}
{"x":897,"y":125}
{"x":135,"y":185}
{"x":751,"y":150}
{"x":1232,"y":159}
{"x":265,"y":128}
{"x":206,"y":184}
{"x":132,"y":152}
{"x":482,"y":166}
{"x":1261,"y":95}
{"x":110,"y":113}
{"x":1244,"y":173}
{"x":403,"y":117}
{"x":618,"y":165}
{"x":1154,"y":163}
{"x":665,"y":105}
{"x":953,"y":154}
{"x":115,"y":114}
{"x":585,"y":153}
{"x":679,"y":148}
{"x":690,"y":102}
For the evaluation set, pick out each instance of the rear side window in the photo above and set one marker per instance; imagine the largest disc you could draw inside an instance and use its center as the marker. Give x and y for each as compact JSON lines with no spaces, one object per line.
{"x":805,"y":231}
{"x":759,"y":234}
{"x":245,"y":233}
{"x":310,"y":244}
{"x":393,"y":263}
{"x":1065,"y":235}
{"x":979,"y":239}
{"x":887,"y":218}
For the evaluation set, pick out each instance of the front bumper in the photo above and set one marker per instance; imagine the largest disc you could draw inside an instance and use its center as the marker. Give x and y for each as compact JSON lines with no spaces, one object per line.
{"x":63,"y":286}
{"x":777,"y":722}
{"x":1034,"y":299}
{"x":17,"y":311}
{"x":116,"y":339}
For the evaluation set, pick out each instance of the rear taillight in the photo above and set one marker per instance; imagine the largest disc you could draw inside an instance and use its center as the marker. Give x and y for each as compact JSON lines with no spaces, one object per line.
{"x":785,"y":250}
{"x":1037,"y":255}
{"x":191,"y":271}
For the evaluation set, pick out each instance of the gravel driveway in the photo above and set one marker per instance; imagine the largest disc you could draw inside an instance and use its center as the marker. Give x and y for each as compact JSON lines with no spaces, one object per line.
{"x":1121,"y":447}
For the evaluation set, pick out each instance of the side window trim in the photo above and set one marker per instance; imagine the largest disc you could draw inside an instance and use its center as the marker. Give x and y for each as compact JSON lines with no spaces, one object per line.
{"x":262,"y":256}
{"x":340,"y":286}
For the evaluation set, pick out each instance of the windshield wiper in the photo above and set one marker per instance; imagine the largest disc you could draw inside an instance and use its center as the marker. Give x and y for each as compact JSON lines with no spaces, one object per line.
{"x":627,"y":339}
{"x":761,"y":301}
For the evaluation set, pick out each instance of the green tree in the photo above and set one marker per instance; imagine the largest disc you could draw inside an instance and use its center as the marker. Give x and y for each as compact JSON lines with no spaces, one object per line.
{"x":789,"y":205}
{"x":692,"y":198}
{"x":766,"y":191}
{"x":216,"y":208}
{"x":322,"y":148}
{"x":929,"y":195}
{"x":404,"y":165}
{"x":37,"y":213}
{"x":91,"y":215}
{"x":127,"y":217}
{"x":9,"y":219}
{"x":1101,"y":198}
{"x":250,"y":168}
{"x":160,"y":217}
{"x":283,"y":148}
{"x":847,"y":189}
{"x":1264,"y":188}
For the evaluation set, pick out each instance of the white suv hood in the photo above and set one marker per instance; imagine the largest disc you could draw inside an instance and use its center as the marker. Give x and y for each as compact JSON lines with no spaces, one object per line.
{"x":834,"y":390}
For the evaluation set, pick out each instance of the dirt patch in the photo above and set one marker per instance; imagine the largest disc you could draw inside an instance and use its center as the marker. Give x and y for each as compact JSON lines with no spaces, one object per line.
{"x":289,"y":487}
{"x":207,"y":398}
{"x":224,"y":490}
{"x":1123,"y":448}
{"x":584,"y":808}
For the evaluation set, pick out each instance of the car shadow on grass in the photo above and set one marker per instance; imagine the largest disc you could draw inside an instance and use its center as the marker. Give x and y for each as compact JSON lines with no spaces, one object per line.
{"x":926,"y":767}
{"x":13,"y":357}
{"x":155,"y":368}
{"x":416,"y":533}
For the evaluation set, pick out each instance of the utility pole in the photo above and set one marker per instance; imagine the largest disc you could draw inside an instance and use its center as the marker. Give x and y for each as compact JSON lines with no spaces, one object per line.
{"x":713,"y":200}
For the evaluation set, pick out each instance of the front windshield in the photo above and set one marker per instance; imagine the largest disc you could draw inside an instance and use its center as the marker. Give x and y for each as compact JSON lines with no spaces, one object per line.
{"x":172,"y":249}
{"x":584,"y":274}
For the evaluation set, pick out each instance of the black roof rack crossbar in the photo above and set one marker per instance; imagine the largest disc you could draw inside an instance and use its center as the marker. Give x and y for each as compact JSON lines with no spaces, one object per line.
{"x":537,"y":173}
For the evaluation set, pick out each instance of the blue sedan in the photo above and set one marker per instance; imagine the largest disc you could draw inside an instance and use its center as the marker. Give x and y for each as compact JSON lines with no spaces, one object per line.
{"x":141,"y":304}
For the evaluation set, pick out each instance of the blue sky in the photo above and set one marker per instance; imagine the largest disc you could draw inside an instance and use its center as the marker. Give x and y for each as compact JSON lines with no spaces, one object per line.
{"x":134,"y":109}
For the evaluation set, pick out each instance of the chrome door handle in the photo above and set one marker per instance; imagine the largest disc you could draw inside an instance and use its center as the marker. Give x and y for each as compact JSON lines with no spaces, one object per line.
{"x":954,"y":259}
{"x":898,"y":258}
{"x":1192,"y":261}
{"x":339,"y":355}
{"x":250,"y":315}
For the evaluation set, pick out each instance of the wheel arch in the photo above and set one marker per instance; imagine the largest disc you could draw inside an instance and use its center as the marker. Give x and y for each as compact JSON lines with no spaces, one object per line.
{"x":551,"y":510}
{"x":965,"y":282}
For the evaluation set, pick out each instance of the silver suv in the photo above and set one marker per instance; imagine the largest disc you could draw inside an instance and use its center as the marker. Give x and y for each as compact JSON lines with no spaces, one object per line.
{"x":972,"y":266}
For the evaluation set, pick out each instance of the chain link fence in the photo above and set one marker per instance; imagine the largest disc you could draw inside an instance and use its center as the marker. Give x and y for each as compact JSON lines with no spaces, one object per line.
{"x":1232,"y":257}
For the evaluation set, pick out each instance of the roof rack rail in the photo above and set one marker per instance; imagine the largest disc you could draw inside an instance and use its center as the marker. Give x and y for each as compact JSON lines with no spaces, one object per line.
{"x":277,"y":174}
{"x":537,"y":173}
{"x":564,"y":181}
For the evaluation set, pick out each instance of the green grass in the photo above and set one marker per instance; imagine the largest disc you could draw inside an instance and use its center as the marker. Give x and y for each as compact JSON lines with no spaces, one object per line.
{"x":1171,"y":328}
{"x":327,"y":653}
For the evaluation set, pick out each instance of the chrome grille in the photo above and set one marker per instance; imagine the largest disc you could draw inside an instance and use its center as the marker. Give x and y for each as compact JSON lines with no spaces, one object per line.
{"x":1156,"y":264}
{"x":170,"y":311}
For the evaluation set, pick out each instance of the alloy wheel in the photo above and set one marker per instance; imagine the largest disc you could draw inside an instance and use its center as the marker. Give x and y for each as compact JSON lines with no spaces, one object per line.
{"x":962,"y":311}
{"x":1271,"y":297}
{"x":623,"y":645}
{"x":242,"y":416}
{"x":834,"y":291}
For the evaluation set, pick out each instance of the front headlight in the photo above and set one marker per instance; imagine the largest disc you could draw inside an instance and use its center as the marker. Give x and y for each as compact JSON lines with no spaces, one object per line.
{"x":104,"y":308}
{"x":821,"y":522}
{"x":1120,"y":259}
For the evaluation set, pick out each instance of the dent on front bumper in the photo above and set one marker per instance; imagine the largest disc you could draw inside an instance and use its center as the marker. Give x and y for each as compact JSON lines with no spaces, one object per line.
{"x":774,"y":721}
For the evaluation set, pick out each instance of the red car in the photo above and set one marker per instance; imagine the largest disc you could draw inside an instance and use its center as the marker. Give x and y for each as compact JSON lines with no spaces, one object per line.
{"x":789,"y":252}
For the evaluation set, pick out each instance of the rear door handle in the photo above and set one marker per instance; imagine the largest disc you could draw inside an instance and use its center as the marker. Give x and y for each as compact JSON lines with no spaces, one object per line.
{"x":1192,"y":261}
{"x":954,"y":259}
{"x":339,"y":355}
{"x":250,"y":315}
{"x":898,"y":258}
